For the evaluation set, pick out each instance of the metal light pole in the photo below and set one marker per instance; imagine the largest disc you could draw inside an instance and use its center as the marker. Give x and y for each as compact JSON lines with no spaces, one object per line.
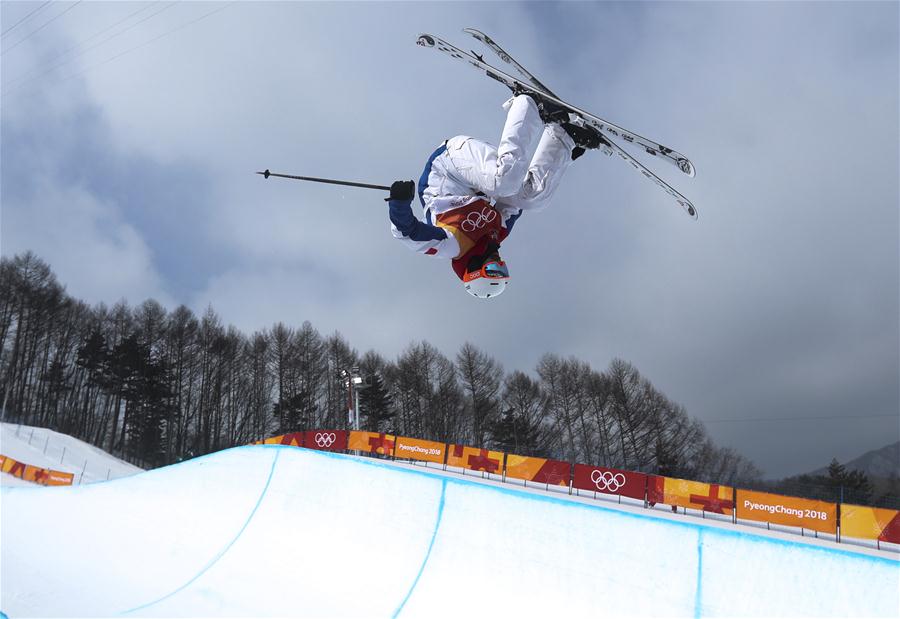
{"x":355,"y":380}
{"x":345,"y":374}
{"x":354,"y":384}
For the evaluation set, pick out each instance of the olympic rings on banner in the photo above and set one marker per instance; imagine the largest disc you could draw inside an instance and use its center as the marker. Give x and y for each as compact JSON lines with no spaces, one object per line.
{"x":607,"y":481}
{"x":325,"y":440}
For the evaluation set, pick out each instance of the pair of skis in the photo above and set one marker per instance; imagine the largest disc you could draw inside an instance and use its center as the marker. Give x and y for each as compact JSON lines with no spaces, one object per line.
{"x":608,"y":130}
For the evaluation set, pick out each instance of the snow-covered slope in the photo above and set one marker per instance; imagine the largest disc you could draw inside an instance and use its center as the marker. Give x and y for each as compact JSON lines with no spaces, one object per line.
{"x":59,"y":452}
{"x":280,"y":531}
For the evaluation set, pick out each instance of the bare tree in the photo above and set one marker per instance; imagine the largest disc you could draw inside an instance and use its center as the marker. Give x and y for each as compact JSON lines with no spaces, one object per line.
{"x":152,"y":384}
{"x":480,"y":378}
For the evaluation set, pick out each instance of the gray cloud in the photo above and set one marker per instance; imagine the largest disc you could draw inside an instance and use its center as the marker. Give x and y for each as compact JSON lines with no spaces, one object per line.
{"x":135,"y":179}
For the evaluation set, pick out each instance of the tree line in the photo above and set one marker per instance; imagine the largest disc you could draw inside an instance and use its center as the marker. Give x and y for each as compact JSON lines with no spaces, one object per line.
{"x":154,"y":387}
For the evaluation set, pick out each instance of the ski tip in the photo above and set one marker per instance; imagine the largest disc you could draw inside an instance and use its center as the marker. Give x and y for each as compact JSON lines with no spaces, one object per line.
{"x":478,"y":34}
{"x":687,"y":167}
{"x":265,"y":174}
{"x":690,"y":210}
{"x":425,"y":40}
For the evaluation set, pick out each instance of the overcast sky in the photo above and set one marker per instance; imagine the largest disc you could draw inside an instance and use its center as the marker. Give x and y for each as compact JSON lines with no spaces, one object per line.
{"x":131,"y":133}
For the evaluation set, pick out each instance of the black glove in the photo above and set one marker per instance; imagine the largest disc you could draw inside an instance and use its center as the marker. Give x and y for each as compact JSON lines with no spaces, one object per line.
{"x":402,"y":190}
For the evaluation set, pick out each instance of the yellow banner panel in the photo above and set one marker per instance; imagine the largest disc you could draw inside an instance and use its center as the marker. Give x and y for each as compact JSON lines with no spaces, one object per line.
{"x":787,"y":510}
{"x":418,"y":449}
{"x":35,"y":474}
{"x":14,"y":467}
{"x":475,"y":459}
{"x":540,"y":470}
{"x":522,"y":467}
{"x":372,"y":442}
{"x":294,"y":438}
{"x":698,"y":495}
{"x":274,"y":440}
{"x":870,"y":523}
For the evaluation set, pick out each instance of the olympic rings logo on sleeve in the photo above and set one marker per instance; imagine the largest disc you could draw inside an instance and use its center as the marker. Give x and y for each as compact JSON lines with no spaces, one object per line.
{"x":607,"y":481}
{"x":325,"y":440}
{"x":477,"y":220}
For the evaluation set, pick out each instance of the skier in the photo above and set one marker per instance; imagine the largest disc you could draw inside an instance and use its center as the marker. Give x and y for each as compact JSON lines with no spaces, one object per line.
{"x":473,"y":193}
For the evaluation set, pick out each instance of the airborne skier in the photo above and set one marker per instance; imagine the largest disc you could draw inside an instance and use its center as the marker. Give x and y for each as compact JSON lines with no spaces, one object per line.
{"x":473,"y":193}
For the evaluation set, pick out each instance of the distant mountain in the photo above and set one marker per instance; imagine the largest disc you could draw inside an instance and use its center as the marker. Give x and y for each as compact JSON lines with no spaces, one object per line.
{"x":882,"y":462}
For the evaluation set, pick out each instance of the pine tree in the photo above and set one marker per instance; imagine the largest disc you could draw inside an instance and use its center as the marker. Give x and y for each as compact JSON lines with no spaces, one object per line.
{"x":376,"y":409}
{"x":93,"y":355}
{"x":515,"y":433}
{"x":854,"y":485}
{"x":153,"y":405}
{"x":291,"y":413}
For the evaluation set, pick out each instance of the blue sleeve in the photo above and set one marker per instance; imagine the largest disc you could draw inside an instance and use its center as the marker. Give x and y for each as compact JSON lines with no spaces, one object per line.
{"x":511,"y":221}
{"x":423,"y":180}
{"x":403,"y":219}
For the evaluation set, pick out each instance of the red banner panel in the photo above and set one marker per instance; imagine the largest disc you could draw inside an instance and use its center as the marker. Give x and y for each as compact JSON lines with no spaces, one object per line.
{"x":475,"y":459}
{"x":326,"y":440}
{"x":540,"y":470}
{"x":609,"y":481}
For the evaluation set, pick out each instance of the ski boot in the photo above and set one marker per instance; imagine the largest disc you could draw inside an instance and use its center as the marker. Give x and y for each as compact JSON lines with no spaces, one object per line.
{"x":585,"y":137}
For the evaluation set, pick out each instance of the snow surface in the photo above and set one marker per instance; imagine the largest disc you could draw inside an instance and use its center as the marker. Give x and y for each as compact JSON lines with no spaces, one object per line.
{"x":280,"y":531}
{"x":59,"y":452}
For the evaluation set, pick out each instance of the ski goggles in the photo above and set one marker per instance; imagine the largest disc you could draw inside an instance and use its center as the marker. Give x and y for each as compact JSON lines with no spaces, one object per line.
{"x":492,"y":270}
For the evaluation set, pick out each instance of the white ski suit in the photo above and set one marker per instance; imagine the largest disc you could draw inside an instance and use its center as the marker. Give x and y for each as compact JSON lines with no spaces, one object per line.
{"x":467,"y":183}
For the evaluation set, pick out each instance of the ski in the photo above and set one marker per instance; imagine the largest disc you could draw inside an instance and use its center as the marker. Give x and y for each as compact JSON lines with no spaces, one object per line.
{"x":606,"y":148}
{"x":431,"y":41}
{"x":505,"y":57}
{"x":612,"y":147}
{"x":652,"y":148}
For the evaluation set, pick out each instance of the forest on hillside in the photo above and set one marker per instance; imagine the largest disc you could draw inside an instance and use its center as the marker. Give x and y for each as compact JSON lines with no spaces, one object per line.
{"x":156,"y":386}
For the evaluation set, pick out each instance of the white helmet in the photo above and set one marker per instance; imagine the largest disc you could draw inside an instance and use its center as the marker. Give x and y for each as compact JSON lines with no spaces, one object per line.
{"x":487,"y":282}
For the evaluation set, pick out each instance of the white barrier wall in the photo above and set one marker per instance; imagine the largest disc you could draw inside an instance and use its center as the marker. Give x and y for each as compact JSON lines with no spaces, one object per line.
{"x":281,"y":531}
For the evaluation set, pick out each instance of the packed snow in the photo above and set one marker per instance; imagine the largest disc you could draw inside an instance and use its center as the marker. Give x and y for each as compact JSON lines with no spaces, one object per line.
{"x":59,"y":452}
{"x":280,"y":531}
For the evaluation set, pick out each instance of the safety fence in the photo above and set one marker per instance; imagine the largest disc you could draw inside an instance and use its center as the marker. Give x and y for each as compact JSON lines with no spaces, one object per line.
{"x":842,"y":520}
{"x":35,"y":474}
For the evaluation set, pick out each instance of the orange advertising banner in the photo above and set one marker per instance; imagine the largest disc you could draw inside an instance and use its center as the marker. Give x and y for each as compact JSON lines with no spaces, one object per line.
{"x":14,"y":467}
{"x":35,"y":474}
{"x":540,"y":470}
{"x":372,"y":442}
{"x":870,"y":523}
{"x":294,"y":438}
{"x":787,"y":510}
{"x":418,"y":449}
{"x":57,"y":478}
{"x":475,"y":459}
{"x":690,"y":494}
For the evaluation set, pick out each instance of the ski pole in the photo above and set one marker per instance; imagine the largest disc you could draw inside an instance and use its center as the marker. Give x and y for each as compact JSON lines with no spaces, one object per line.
{"x":267,"y":174}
